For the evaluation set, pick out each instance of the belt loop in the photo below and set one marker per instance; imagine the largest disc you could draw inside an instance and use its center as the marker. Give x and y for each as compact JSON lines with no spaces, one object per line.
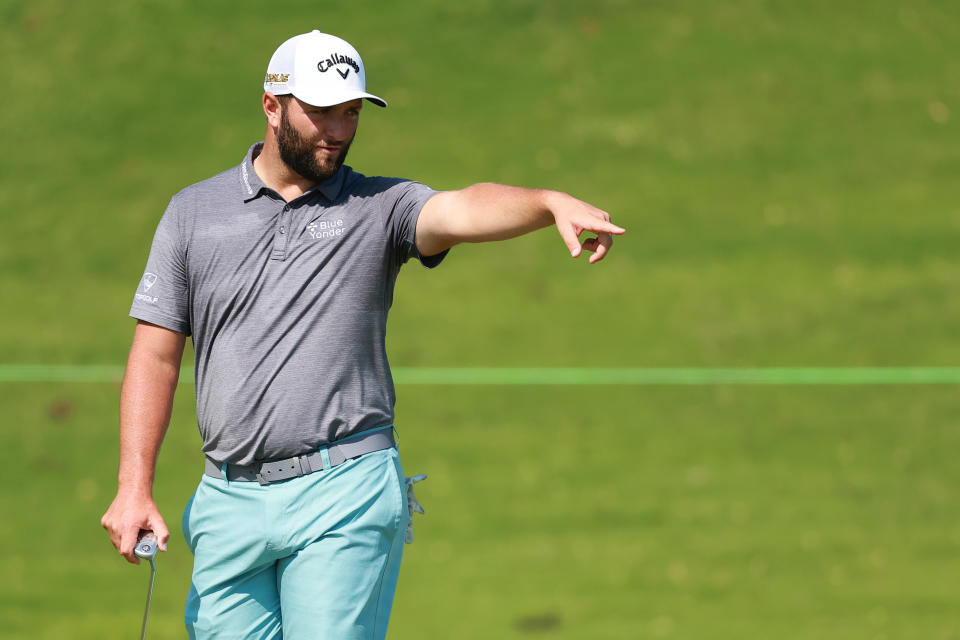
{"x":224,"y":469}
{"x":305,"y":466}
{"x":325,"y":456}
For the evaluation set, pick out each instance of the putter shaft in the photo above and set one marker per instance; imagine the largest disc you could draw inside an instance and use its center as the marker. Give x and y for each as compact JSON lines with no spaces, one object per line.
{"x":146,"y":612}
{"x":147,"y":549}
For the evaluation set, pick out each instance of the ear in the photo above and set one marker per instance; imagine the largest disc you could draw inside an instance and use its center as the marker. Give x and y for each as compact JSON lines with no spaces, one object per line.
{"x":272,"y":109}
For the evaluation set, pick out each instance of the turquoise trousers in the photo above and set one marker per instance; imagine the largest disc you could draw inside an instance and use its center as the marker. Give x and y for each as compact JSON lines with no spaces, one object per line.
{"x":311,"y":557}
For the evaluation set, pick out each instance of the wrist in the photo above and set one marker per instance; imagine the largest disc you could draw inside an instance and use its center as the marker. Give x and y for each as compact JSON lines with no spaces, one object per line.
{"x":140,"y":488}
{"x":552,"y":201}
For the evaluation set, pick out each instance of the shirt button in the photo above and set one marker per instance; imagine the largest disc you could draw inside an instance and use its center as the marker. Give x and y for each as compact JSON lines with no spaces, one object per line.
{"x":283,"y":230}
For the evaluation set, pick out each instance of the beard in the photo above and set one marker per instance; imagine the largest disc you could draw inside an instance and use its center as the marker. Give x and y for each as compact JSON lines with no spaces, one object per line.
{"x":301,"y":156}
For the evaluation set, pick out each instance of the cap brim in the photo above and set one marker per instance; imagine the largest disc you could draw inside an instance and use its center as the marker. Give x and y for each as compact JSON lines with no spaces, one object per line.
{"x":326,"y":99}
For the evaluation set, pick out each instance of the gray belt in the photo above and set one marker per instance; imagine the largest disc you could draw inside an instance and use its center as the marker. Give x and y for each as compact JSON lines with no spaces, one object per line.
{"x":277,"y":470}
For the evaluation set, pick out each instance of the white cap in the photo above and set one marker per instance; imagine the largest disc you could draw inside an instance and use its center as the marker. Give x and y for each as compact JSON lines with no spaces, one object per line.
{"x":320,"y":69}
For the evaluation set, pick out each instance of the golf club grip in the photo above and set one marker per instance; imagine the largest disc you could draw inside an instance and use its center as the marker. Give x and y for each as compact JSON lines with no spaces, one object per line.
{"x":146,"y":546}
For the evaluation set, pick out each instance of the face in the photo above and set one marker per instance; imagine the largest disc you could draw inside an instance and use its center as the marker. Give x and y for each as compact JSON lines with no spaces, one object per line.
{"x":313,"y":141}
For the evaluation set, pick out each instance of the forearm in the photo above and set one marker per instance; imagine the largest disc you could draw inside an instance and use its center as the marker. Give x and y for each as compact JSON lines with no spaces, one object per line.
{"x":487,"y":212}
{"x":146,"y":403}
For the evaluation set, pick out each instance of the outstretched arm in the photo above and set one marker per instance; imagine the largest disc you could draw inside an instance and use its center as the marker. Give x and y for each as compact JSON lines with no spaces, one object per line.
{"x":486,"y":212}
{"x":146,"y":400}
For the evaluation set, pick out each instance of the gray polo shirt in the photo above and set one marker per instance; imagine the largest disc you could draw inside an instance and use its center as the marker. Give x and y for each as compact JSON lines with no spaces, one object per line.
{"x":286,"y":304}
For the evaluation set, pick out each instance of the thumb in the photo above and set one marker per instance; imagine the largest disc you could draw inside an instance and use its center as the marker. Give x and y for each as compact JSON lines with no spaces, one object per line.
{"x":159,"y":528}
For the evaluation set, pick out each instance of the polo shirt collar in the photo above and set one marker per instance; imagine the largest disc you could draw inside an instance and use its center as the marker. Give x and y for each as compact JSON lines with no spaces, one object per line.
{"x":250,"y":183}
{"x":252,"y":186}
{"x":330,"y":188}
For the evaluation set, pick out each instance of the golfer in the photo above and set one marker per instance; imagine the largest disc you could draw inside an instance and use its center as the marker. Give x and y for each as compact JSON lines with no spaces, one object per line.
{"x":282,"y":270}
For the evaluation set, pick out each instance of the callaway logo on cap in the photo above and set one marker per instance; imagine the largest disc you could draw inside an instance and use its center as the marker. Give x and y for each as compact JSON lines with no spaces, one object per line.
{"x":320,"y":69}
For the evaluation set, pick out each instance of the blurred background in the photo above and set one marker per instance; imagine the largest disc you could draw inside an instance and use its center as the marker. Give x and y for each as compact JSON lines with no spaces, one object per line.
{"x":787,"y":173}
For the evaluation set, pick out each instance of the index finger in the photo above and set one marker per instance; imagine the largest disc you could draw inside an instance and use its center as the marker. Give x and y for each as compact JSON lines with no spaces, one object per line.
{"x":601,"y":226}
{"x":128,"y":540}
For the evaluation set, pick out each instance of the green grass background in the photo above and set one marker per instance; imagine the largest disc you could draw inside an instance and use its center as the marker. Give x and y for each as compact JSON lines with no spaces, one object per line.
{"x":787,"y":173}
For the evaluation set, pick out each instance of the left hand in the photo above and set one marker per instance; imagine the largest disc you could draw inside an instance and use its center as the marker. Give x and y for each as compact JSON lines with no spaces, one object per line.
{"x":573,"y":217}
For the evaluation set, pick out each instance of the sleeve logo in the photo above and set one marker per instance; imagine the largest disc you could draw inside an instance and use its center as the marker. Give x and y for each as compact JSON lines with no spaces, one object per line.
{"x":149,"y":279}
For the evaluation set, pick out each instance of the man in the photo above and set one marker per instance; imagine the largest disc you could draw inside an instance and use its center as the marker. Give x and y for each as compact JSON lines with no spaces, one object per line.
{"x":282,"y":270}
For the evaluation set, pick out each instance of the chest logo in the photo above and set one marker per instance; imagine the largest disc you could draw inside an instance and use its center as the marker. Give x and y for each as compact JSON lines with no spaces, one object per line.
{"x":325,"y":228}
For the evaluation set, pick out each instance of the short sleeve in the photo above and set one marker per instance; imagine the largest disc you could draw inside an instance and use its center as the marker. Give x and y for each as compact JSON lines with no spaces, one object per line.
{"x":162,"y":295}
{"x":408,"y":199}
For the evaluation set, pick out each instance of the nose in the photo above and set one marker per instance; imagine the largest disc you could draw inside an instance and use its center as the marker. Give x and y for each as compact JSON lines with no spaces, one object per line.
{"x":338,"y":128}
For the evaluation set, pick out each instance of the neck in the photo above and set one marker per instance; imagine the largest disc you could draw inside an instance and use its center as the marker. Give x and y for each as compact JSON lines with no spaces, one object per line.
{"x":276,"y":174}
